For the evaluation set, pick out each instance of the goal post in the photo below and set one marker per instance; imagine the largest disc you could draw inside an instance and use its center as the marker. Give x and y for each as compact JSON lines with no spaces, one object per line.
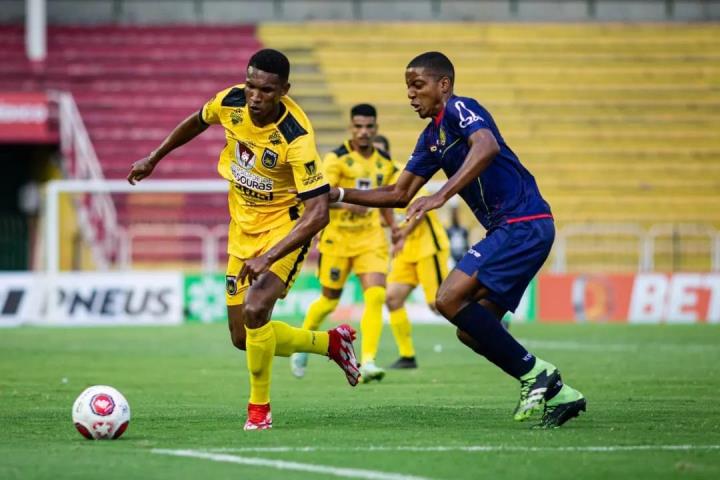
{"x":100,"y":189}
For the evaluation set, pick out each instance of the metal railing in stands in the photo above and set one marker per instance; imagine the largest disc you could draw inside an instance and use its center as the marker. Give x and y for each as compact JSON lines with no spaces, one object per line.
{"x":96,"y":214}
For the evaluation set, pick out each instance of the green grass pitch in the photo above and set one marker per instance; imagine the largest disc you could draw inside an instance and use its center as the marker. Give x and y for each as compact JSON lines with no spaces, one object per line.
{"x":653,"y":409}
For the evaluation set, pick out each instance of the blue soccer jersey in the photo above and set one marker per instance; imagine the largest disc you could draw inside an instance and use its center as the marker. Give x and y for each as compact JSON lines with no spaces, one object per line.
{"x":504,"y":192}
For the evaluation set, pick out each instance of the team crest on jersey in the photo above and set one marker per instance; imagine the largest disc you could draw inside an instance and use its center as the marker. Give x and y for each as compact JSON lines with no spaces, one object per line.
{"x":349,"y":161}
{"x":244,"y":156}
{"x":275,"y":138}
{"x":269,"y":158}
{"x":467,"y":116}
{"x":236,"y":116}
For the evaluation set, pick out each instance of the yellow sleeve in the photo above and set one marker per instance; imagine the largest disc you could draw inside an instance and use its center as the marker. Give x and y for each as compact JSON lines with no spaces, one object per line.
{"x":395,"y":171}
{"x":210,"y":112}
{"x":307,"y":171}
{"x":332,"y":168}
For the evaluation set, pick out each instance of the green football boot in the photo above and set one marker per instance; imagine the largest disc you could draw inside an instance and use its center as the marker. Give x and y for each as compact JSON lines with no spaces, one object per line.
{"x":536,"y":386}
{"x":565,"y":405}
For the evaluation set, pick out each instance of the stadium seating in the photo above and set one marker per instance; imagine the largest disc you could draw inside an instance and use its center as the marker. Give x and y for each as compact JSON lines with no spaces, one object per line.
{"x":619,"y":123}
{"x":132,"y":86}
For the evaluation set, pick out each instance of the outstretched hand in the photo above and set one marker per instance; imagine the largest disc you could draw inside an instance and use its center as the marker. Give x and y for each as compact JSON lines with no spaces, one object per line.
{"x":140,"y":169}
{"x":253,"y":268}
{"x":423,"y":205}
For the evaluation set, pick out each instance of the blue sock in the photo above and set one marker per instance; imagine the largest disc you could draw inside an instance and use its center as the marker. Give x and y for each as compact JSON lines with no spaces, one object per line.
{"x":495,"y":342}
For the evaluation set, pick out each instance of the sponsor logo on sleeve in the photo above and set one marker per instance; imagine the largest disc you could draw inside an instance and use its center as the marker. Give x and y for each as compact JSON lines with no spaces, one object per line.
{"x":313,"y":176}
{"x":467,"y":116}
{"x":310,"y":168}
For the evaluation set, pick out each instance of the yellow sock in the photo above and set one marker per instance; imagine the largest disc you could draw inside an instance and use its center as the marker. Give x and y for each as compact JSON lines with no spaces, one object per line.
{"x":371,"y":322}
{"x":260,"y":349}
{"x":290,"y":339}
{"x":402,"y":330}
{"x":319,"y":309}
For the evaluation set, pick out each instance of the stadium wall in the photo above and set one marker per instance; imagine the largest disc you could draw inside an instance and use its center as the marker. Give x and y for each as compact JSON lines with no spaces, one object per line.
{"x":172,"y":298}
{"x":252,"y":11}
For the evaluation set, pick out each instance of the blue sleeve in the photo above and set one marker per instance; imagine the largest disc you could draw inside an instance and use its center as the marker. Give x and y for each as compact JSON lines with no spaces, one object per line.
{"x":467,"y":116}
{"x":421,"y":163}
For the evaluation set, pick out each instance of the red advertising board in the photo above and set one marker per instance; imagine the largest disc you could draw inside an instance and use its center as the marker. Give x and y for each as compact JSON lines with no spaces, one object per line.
{"x":24,"y":118}
{"x":634,"y":298}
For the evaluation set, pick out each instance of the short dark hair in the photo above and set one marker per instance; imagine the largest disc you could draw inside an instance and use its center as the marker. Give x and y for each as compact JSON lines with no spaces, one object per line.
{"x":383,"y":139}
{"x":271,"y":61}
{"x":364,"y":110}
{"x":435,"y":61}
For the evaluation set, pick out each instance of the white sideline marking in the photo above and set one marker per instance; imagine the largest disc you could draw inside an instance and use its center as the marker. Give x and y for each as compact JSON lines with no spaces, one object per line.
{"x":284,"y":465}
{"x":615,"y":347}
{"x":475,"y":448}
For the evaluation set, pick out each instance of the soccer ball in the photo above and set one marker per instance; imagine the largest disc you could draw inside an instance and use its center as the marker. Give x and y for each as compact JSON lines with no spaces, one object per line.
{"x":101,"y":413}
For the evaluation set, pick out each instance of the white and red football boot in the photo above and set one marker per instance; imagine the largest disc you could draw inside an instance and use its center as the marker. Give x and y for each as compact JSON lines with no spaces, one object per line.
{"x":341,"y":350}
{"x":259,"y":417}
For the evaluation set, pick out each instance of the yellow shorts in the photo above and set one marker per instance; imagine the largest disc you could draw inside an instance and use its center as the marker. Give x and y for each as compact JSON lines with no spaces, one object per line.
{"x":428,"y":272}
{"x":287,"y":268}
{"x":333,"y":270}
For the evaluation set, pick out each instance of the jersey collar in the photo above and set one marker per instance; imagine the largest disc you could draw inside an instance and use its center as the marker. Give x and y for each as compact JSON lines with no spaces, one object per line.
{"x":439,"y":117}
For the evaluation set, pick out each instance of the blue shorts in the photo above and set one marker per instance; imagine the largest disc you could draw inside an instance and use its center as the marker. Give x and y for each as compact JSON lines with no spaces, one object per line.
{"x":508,"y":258}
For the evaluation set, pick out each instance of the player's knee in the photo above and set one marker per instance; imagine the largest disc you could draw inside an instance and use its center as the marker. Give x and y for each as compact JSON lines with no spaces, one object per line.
{"x":447,"y":302}
{"x":256,"y":314}
{"x":444,"y":306}
{"x":393,"y":301}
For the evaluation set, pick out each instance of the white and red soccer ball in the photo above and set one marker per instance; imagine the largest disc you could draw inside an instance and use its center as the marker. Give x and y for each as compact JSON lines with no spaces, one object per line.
{"x":101,"y":413}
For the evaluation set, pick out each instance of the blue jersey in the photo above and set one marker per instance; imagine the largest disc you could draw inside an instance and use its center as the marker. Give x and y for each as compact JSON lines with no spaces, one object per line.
{"x":504,"y":192}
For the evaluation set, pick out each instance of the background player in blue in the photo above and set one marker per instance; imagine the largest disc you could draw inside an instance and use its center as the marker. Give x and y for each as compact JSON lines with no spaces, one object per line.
{"x":463,"y":140}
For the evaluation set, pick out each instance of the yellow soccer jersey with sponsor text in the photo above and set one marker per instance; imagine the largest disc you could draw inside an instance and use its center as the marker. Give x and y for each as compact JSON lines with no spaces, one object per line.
{"x":428,"y":237}
{"x":344,"y":167}
{"x":271,"y":169}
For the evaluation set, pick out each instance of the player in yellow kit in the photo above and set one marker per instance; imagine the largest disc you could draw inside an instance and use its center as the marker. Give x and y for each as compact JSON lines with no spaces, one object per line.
{"x":278,"y":201}
{"x":354,"y":239}
{"x":420,"y":253}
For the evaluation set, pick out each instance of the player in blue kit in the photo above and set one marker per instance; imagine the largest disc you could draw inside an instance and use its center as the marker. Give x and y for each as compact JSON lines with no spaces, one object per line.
{"x":463,"y":140}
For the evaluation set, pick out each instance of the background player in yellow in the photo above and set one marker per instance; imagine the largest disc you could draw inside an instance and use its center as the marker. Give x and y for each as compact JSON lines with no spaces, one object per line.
{"x":278,"y":201}
{"x":420,"y":253}
{"x":354,"y":239}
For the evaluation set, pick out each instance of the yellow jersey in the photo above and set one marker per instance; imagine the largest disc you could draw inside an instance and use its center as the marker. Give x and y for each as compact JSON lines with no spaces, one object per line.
{"x":428,"y":237}
{"x":271,"y":169}
{"x":344,"y":167}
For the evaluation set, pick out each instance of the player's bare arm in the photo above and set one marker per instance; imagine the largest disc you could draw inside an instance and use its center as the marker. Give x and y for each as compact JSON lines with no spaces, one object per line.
{"x":390,"y":196}
{"x":314,"y":218}
{"x":389,"y":218}
{"x":188,"y":129}
{"x":483,"y":149}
